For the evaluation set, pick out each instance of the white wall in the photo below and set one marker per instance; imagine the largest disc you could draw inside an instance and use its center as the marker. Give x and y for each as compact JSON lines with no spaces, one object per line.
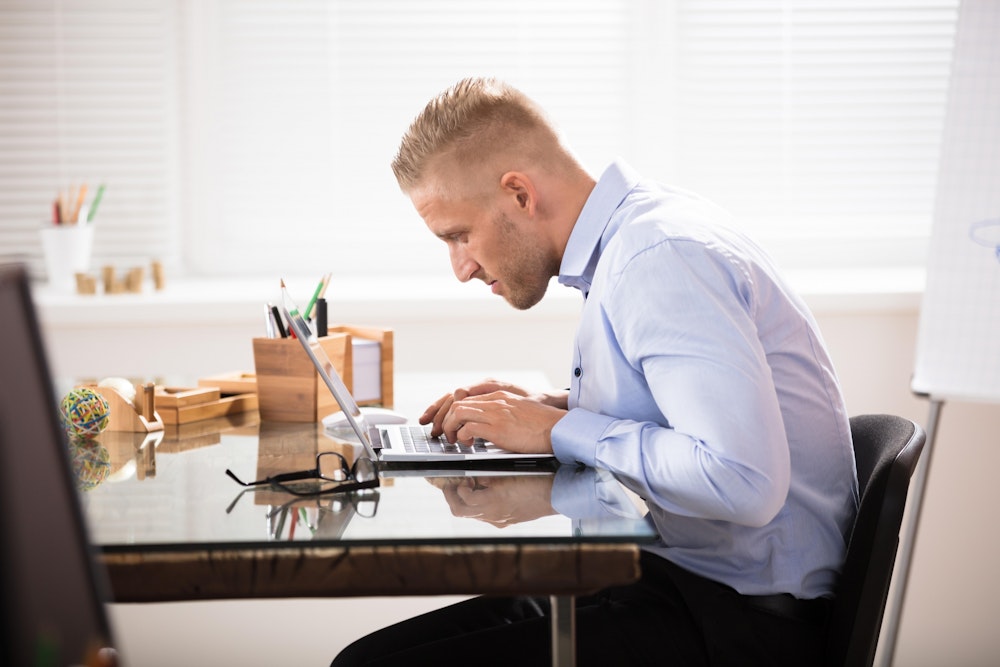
{"x":953,"y":596}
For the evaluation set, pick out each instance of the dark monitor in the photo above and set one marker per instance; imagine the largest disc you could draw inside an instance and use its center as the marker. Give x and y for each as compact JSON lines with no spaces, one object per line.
{"x":53,"y":593}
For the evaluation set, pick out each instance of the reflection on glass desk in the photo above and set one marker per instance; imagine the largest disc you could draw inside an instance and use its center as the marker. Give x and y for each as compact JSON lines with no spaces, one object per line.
{"x":171,"y":525}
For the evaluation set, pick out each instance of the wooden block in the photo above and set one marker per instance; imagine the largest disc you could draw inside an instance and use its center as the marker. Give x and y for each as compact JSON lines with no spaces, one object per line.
{"x":86,"y":284}
{"x":158,"y":279}
{"x":219,"y":407}
{"x":180,"y":397}
{"x":238,"y":382}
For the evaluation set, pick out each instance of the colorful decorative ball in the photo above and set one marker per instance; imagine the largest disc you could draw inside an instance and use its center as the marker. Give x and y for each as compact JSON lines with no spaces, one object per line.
{"x":84,"y":412}
{"x":91,"y":462}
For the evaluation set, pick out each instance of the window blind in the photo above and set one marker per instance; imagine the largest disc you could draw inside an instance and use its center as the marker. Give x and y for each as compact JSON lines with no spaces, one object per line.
{"x":312,"y":97}
{"x":87,"y":96}
{"x":255,"y":136}
{"x":819,"y":121}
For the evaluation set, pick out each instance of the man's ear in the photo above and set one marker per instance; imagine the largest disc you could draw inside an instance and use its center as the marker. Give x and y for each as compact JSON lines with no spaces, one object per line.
{"x":519,"y":186}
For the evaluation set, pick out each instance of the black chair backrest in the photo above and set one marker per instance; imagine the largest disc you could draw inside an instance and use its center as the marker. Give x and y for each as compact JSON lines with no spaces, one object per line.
{"x":886,"y":450}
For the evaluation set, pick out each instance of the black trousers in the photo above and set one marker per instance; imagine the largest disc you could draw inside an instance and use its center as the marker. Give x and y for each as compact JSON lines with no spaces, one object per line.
{"x":669,"y":617}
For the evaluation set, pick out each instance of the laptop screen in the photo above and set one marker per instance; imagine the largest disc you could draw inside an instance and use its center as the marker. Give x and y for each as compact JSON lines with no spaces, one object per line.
{"x":52,"y":593}
{"x":329,"y":374}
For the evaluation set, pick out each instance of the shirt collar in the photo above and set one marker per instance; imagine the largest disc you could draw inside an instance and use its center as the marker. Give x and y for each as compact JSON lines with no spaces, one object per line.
{"x":594,"y":227}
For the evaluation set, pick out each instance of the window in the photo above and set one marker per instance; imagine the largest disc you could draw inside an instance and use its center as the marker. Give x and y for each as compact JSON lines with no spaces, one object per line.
{"x":817,"y":121}
{"x":310,"y":99}
{"x":243,"y":137}
{"x":87,"y":96}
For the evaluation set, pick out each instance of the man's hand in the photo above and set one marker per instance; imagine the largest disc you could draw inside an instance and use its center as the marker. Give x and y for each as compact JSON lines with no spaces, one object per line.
{"x":500,"y":412}
{"x":498,"y":500}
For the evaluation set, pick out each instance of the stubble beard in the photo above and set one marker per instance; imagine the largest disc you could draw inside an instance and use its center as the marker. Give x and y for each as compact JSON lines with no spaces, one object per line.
{"x":526,"y":268}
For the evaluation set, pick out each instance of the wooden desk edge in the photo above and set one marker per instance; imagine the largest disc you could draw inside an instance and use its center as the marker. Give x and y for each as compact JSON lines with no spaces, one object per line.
{"x":354,"y":571}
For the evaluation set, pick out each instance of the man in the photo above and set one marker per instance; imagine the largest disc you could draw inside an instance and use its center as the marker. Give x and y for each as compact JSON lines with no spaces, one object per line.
{"x":698,"y":379}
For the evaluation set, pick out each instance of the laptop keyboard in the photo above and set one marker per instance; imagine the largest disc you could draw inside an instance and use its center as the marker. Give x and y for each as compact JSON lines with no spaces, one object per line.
{"x":417,"y":439}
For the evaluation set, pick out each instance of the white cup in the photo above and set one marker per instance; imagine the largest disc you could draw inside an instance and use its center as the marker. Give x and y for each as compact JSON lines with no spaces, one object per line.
{"x":67,"y":251}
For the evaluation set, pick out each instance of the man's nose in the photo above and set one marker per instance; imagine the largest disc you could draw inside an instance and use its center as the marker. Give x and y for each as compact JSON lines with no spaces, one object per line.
{"x":462,"y":264}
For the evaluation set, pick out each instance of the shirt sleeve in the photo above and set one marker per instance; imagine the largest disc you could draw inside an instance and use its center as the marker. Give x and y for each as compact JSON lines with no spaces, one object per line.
{"x":588,"y":493}
{"x":681,"y":315}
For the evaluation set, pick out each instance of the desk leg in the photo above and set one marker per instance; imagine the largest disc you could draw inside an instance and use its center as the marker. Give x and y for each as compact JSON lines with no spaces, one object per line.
{"x":563,"y":630}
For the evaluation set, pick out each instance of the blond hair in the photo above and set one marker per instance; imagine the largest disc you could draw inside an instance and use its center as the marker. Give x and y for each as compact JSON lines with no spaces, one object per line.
{"x":474,"y":122}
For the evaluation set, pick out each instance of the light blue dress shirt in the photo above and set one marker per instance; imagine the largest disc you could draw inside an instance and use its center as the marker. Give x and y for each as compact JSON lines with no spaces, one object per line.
{"x":702,"y":381}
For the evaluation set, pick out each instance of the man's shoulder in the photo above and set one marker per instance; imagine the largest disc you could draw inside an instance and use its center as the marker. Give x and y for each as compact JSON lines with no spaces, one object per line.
{"x":670,"y":221}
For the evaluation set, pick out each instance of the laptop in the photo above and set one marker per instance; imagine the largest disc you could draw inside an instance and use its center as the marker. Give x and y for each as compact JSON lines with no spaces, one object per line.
{"x":53,"y":590}
{"x":403,"y":444}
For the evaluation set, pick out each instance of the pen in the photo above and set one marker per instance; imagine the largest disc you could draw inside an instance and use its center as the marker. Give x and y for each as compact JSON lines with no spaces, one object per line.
{"x":321,"y":324}
{"x":97,"y":200}
{"x":276,"y":318}
{"x":269,"y":323}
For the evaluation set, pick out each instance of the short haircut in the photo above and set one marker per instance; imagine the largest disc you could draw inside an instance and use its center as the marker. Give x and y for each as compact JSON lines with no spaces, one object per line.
{"x":473,"y":121}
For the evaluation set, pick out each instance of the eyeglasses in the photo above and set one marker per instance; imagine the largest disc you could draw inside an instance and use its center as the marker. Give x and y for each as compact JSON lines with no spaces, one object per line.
{"x":362,"y":503}
{"x":323,"y":516}
{"x":332,"y":474}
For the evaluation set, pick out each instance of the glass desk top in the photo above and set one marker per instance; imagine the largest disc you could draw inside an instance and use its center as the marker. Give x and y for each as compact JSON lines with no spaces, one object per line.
{"x":169,"y":491}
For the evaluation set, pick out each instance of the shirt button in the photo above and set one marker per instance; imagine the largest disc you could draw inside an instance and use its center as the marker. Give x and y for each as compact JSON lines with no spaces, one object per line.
{"x":577,"y":372}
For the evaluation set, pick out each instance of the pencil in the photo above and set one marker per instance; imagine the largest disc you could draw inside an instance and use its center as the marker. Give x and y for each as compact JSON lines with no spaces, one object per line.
{"x":316,"y":294}
{"x":63,"y":207}
{"x":79,"y":202}
{"x":291,"y":313}
{"x":326,"y":283}
{"x":97,"y":200}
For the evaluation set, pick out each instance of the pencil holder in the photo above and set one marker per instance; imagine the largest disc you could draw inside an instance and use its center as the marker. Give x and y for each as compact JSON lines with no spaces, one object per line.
{"x":283,"y":448}
{"x":288,"y":387}
{"x":67,"y":250}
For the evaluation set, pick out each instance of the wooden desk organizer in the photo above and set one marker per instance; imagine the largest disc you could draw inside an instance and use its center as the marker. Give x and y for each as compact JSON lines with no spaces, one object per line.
{"x":290,"y":390}
{"x":138,"y":417}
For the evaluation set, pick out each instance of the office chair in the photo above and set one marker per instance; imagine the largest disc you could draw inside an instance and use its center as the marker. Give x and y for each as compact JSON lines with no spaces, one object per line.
{"x":886,"y":450}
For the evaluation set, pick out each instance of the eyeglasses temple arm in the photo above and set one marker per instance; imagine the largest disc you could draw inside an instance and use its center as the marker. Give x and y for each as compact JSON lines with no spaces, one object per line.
{"x":292,"y":476}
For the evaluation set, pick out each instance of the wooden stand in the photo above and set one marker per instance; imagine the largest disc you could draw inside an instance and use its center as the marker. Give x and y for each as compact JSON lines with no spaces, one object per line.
{"x":290,"y":390}
{"x":127,"y":417}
